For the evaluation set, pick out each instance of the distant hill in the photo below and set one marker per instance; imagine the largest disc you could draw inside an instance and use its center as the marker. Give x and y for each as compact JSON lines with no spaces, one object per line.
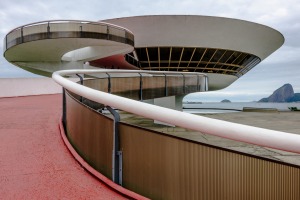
{"x":225,"y":101}
{"x":283,"y":94}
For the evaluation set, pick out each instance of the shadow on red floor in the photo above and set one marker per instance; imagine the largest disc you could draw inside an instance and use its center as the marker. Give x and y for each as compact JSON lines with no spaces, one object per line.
{"x":34,"y":162}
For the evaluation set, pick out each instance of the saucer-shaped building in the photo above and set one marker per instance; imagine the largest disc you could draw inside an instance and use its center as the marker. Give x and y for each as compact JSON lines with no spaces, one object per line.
{"x":223,"y":48}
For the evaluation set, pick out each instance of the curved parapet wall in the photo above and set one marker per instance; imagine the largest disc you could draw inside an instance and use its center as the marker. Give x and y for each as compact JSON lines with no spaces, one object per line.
{"x":249,"y":134}
{"x":57,"y":43}
{"x":161,"y":166}
{"x":144,"y":85}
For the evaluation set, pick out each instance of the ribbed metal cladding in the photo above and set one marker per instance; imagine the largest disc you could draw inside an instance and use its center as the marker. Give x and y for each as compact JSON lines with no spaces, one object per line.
{"x":160,"y":166}
{"x":163,"y":167}
{"x":91,"y":135}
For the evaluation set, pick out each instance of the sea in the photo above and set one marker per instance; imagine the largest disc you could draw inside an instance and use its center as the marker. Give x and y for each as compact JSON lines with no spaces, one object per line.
{"x":216,"y":107}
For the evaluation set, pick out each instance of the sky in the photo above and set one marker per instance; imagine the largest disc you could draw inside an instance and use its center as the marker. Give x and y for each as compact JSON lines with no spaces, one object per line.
{"x":283,"y":15}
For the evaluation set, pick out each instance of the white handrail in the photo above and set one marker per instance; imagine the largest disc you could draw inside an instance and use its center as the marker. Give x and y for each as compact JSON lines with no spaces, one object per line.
{"x":249,"y":134}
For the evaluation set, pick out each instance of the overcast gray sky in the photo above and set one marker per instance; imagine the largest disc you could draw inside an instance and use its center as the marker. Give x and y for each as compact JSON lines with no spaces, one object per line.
{"x":279,"y":68}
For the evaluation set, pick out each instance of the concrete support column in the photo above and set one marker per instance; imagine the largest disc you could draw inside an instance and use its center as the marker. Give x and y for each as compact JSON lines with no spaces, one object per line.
{"x":167,"y":102}
{"x":203,"y":84}
{"x":178,"y":102}
{"x":172,"y":102}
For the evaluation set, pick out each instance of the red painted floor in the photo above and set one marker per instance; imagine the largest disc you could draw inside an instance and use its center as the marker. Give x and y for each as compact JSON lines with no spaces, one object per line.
{"x":34,"y":162}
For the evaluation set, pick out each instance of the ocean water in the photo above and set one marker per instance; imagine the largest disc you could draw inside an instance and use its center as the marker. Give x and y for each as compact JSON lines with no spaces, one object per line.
{"x":208,"y":111}
{"x":234,"y":107}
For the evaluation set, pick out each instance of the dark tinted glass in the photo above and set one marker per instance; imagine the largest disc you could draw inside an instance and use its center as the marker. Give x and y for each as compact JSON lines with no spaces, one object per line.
{"x":176,"y":53}
{"x":164,"y":53}
{"x":153,"y":53}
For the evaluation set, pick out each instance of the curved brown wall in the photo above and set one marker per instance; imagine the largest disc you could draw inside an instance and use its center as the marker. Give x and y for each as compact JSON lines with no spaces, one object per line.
{"x":160,"y":166}
{"x":90,"y":134}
